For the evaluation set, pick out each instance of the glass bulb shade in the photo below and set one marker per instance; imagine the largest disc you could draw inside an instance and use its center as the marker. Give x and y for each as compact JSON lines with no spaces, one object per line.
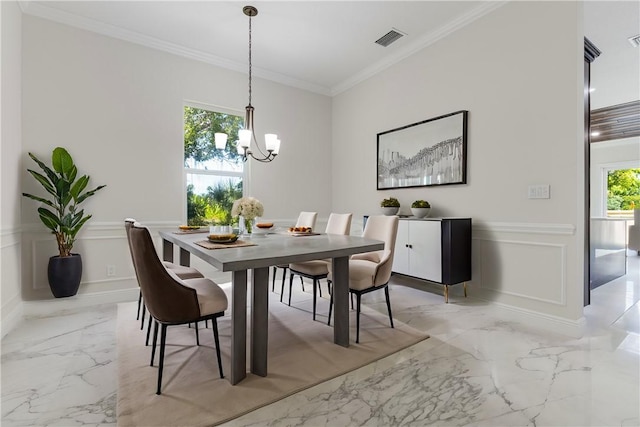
{"x":276,"y":147}
{"x":270,"y":141}
{"x":221,"y":140}
{"x":244,"y":137}
{"x":240,"y":148}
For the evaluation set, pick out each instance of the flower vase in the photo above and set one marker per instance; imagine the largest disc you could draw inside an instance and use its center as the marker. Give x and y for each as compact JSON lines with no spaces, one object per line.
{"x":248,"y":225}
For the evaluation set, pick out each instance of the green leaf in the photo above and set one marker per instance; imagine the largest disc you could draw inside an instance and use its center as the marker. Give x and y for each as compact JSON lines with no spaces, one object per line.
{"x":51,"y":174}
{"x":49,"y":219}
{"x":79,"y":225}
{"x":88,"y":194}
{"x":39,"y":199}
{"x":46,"y":183}
{"x":62,"y":161}
{"x":80,"y":185}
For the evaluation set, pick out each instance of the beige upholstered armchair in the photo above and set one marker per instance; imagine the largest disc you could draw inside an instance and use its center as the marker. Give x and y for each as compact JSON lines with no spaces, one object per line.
{"x":318,"y":269}
{"x":305,"y":219}
{"x":371,"y":271}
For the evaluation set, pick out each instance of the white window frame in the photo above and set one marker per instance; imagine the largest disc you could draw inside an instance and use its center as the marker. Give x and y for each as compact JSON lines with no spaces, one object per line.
{"x":605,"y":169}
{"x":245,"y":167}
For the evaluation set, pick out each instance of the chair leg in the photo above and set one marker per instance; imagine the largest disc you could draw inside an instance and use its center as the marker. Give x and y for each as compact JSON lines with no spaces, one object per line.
{"x":155,"y":340}
{"x":315,"y":291}
{"x":358,"y":298}
{"x":143,"y":314}
{"x":216,"y":339}
{"x":301,"y":282}
{"x":273,"y":279}
{"x":197,"y":334}
{"x":330,"y":309}
{"x":282,"y":288}
{"x":284,"y":274}
{"x":386,"y":294}
{"x":319,"y":288}
{"x":290,"y":286}
{"x":139,"y":304}
{"x":163,"y":340}
{"x":148,"y":331}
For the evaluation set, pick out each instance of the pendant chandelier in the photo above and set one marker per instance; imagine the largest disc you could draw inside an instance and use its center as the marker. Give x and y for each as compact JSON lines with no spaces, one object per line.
{"x":248,"y":134}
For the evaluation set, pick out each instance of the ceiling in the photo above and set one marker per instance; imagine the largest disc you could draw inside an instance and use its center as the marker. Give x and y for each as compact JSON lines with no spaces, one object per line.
{"x":321,"y":46}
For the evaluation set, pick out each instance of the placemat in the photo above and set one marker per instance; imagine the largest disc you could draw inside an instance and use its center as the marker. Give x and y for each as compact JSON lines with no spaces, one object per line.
{"x":201,"y":230}
{"x":237,"y":244}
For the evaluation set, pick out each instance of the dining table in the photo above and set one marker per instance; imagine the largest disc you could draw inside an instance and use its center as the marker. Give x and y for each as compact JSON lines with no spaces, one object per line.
{"x":262,"y":252}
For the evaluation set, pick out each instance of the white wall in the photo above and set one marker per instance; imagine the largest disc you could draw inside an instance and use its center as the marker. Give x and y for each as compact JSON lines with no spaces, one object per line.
{"x":618,"y":154}
{"x":10,"y":163}
{"x":118,"y":108}
{"x":522,"y":84}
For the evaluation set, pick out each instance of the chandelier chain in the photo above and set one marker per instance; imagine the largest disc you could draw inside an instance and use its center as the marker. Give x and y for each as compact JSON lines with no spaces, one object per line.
{"x":249,"y":59}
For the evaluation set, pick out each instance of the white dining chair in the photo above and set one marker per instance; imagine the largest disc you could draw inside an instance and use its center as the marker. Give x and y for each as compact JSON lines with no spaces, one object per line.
{"x":305,"y":219}
{"x":318,"y":269}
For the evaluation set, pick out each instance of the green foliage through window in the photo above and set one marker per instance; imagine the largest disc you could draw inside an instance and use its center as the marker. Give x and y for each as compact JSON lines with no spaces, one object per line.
{"x":623,"y":189}
{"x":201,"y":158}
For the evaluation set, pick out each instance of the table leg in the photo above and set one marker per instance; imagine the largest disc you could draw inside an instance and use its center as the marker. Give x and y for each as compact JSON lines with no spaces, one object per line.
{"x":340,"y":275}
{"x":259,"y":320}
{"x":167,"y":250}
{"x":238,"y":326}
{"x":185,"y":256}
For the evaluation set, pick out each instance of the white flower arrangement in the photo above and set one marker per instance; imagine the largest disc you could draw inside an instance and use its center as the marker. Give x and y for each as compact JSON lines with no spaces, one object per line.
{"x":249,"y":207}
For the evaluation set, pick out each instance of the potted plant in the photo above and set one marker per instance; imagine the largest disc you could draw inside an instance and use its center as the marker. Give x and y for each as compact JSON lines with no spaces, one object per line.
{"x":390,"y":206}
{"x":420,"y":208}
{"x":61,"y":215}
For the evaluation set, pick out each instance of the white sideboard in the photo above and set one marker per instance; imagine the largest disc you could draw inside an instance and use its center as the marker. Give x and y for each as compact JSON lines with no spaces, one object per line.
{"x":434,"y":249}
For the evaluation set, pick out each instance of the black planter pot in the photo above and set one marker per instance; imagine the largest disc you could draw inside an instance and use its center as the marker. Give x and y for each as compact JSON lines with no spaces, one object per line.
{"x":64,"y":275}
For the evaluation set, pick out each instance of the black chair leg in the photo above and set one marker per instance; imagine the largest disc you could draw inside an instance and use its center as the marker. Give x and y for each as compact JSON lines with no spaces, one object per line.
{"x":301,"y":282}
{"x":290,"y":286}
{"x":386,"y":294}
{"x":146,"y":342}
{"x":155,"y":340}
{"x":197,"y":334}
{"x":282,"y":289}
{"x":143,"y":314}
{"x":315,"y":291}
{"x":216,"y":339}
{"x":330,"y":302}
{"x":358,"y":297}
{"x":284,"y":275}
{"x":139,"y":304}
{"x":273,"y":279}
{"x":163,"y":340}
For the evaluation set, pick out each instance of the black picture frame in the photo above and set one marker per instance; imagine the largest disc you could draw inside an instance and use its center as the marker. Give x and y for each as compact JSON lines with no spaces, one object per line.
{"x":427,"y":153}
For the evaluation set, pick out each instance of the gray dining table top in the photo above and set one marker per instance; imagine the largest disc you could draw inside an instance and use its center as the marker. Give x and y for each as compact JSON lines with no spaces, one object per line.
{"x":274,"y":249}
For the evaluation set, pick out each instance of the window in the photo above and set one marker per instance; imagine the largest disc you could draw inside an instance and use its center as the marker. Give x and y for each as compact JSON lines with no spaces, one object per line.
{"x":623,"y":192}
{"x":214,"y":178}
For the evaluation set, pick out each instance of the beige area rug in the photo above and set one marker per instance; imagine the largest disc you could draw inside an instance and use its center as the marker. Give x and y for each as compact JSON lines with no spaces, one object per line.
{"x":301,"y":354}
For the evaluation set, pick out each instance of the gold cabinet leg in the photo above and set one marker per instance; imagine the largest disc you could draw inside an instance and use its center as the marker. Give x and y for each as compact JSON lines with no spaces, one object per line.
{"x":446,"y":293}
{"x":465,"y":289}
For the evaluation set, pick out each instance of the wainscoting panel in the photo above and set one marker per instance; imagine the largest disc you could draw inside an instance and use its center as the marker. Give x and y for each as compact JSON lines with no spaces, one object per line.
{"x":10,"y":277}
{"x":524,"y":269}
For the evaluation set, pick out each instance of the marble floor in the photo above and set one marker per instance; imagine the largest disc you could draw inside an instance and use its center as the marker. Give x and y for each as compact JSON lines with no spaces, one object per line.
{"x":477,"y":369}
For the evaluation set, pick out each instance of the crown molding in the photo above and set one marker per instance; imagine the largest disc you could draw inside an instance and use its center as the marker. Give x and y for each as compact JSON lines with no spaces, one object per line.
{"x":41,"y":11}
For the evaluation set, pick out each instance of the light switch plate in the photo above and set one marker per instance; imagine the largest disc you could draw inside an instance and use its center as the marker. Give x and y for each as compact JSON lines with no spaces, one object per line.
{"x":539,"y":191}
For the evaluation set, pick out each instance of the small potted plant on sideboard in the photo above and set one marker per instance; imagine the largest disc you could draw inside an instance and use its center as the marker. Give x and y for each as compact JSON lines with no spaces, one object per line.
{"x":390,"y":206}
{"x":420,"y":208}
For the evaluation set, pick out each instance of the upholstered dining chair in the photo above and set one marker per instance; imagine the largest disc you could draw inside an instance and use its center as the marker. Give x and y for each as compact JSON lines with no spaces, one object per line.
{"x":171,"y":300}
{"x":305,"y":219}
{"x":181,"y":271}
{"x":371,"y":271}
{"x":318,"y":269}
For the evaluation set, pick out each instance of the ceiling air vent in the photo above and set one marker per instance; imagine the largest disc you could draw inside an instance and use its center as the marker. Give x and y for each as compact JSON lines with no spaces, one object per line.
{"x":390,"y":37}
{"x":635,"y":40}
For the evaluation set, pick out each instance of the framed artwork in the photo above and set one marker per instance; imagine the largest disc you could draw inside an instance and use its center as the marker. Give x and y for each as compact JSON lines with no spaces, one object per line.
{"x":431,"y":152}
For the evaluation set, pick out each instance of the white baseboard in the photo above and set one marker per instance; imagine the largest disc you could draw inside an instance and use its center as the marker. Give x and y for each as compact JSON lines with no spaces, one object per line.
{"x":546,"y":322}
{"x":55,"y":306}
{"x":12,"y":314}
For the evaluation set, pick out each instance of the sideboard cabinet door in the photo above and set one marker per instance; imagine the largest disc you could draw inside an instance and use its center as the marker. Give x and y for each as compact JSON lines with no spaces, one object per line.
{"x":425,"y":256}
